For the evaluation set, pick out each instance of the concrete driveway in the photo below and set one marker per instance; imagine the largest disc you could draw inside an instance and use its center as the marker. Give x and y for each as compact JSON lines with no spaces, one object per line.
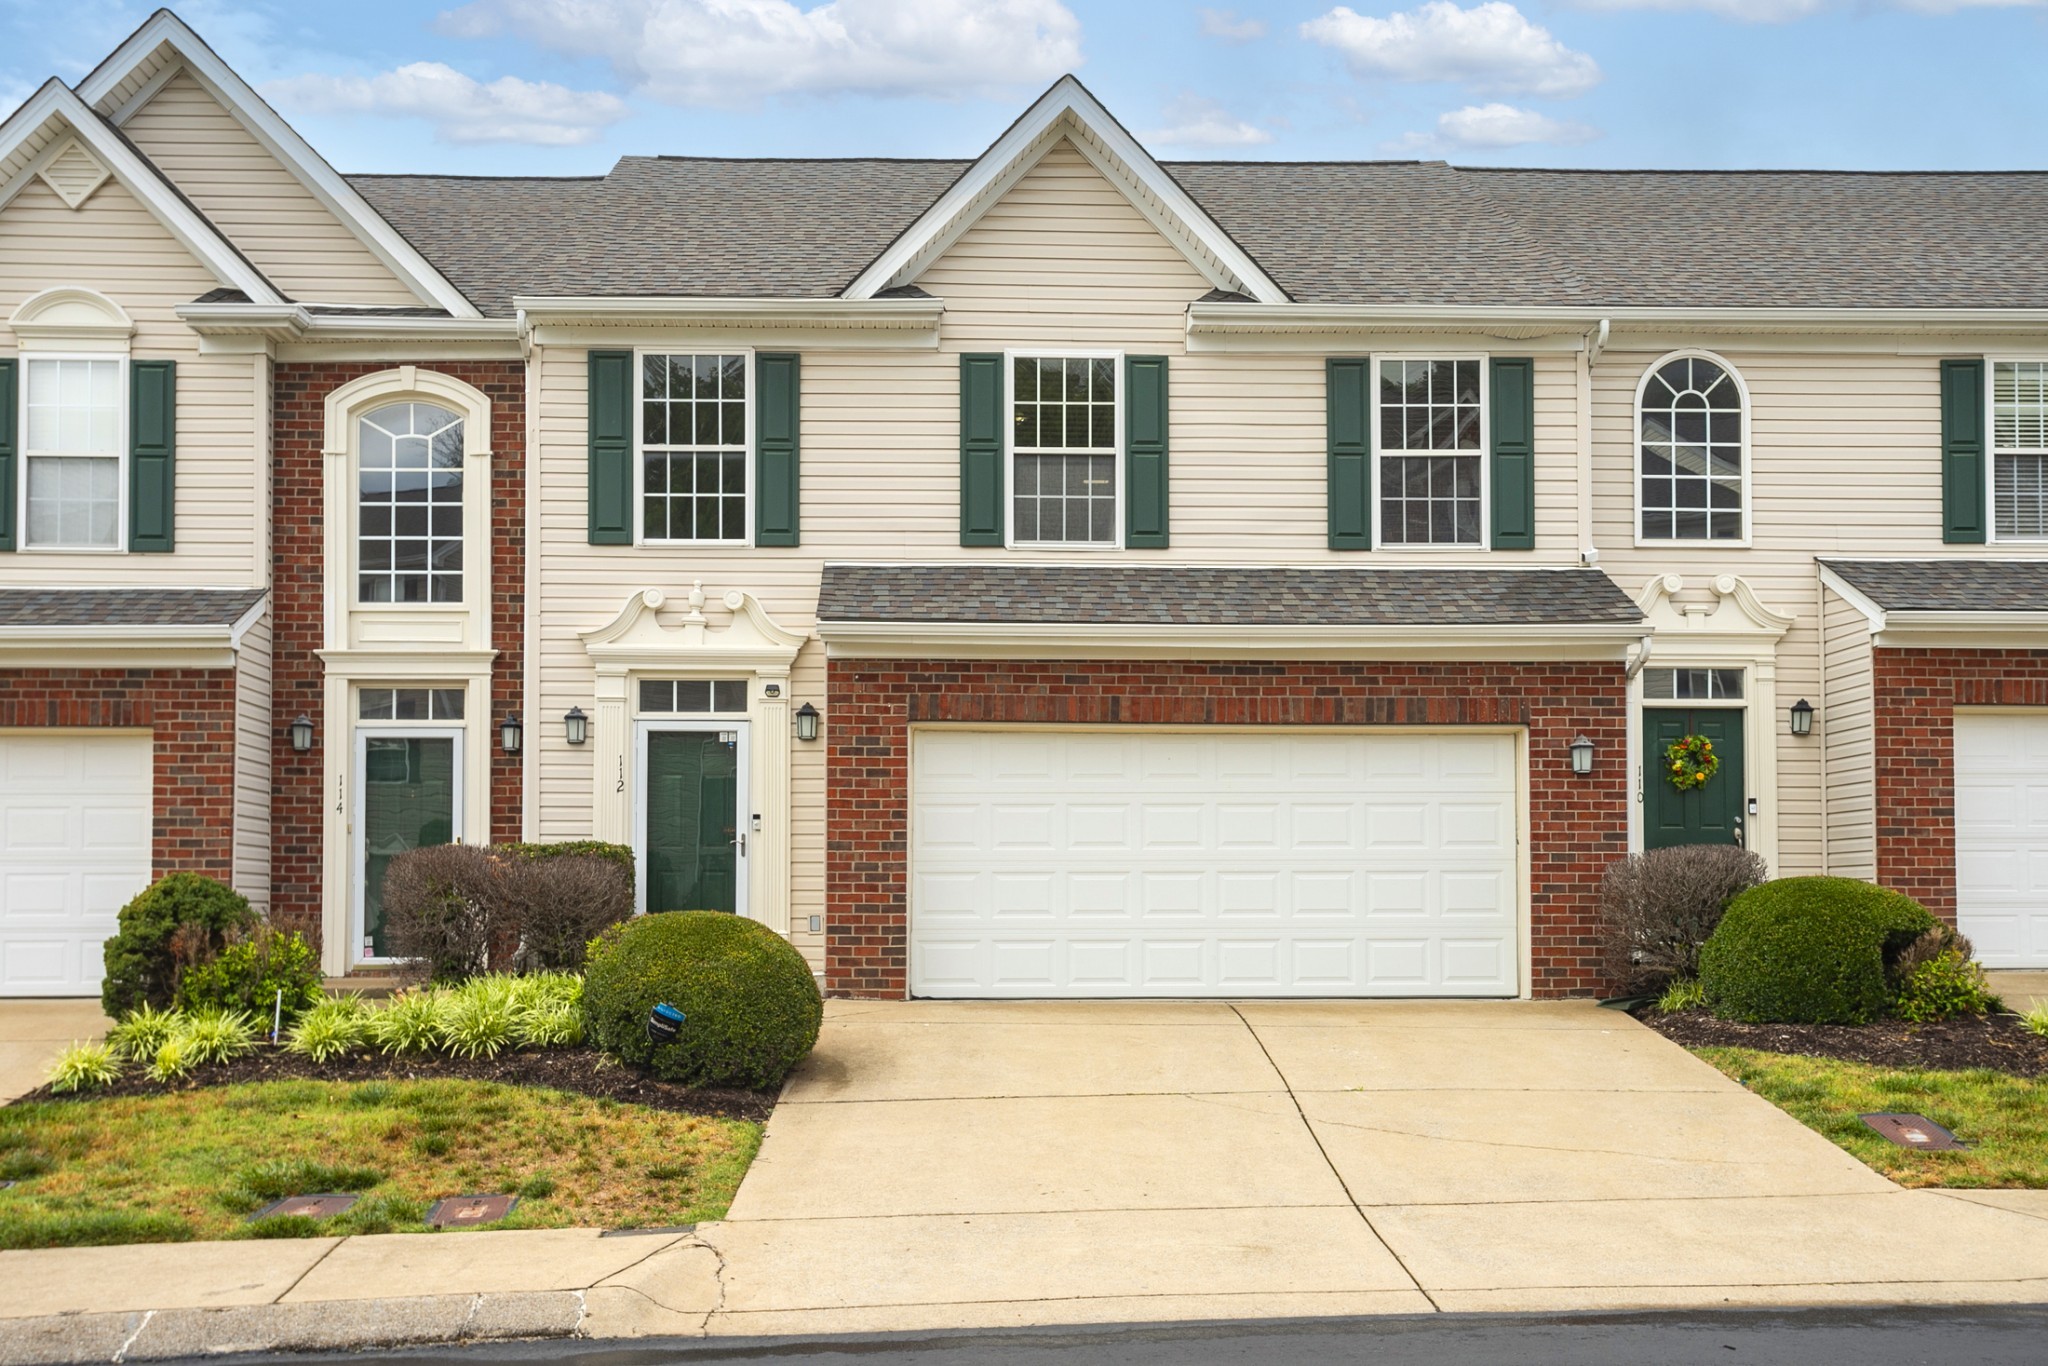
{"x":966,"y":1164}
{"x":34,"y":1032}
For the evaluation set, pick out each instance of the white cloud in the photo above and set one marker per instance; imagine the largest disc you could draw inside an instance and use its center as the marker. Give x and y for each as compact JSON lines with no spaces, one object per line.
{"x":733,"y":52}
{"x":1785,"y":11}
{"x":461,"y":108}
{"x":1503,"y":125}
{"x":1490,"y":47}
{"x":1224,"y":24}
{"x":1192,"y":121}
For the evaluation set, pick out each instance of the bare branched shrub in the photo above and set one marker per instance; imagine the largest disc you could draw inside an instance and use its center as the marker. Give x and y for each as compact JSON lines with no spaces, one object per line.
{"x":1928,"y":947}
{"x":445,"y":911}
{"x":1657,"y":908}
{"x":561,"y":904}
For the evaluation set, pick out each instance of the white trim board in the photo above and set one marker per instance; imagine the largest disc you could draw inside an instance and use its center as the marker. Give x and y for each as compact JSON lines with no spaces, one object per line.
{"x":278,"y":138}
{"x":1068,"y":110}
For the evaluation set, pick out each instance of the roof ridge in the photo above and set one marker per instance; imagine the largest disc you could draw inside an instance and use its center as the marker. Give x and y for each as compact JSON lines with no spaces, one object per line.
{"x":1710,"y":170}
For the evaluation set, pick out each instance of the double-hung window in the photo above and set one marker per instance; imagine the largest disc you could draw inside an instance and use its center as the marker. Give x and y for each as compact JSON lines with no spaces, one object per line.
{"x":74,"y":433}
{"x":1066,"y":441}
{"x":695,"y":436}
{"x":2019,"y":448}
{"x":1429,"y":445}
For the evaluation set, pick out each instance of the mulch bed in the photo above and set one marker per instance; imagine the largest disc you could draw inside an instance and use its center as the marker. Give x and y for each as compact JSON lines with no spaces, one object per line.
{"x":1998,"y":1042}
{"x":582,"y":1070}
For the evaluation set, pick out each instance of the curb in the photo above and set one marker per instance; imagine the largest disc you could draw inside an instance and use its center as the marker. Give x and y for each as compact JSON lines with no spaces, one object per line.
{"x":307,"y":1326}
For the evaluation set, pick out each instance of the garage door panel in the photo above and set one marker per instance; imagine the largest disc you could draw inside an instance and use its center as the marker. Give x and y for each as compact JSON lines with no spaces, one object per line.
{"x":1186,"y":840}
{"x":2001,"y":804}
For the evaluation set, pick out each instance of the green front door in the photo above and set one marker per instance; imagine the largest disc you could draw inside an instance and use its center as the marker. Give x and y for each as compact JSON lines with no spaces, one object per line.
{"x":1712,"y":814}
{"x":694,"y":844}
{"x":408,"y":803}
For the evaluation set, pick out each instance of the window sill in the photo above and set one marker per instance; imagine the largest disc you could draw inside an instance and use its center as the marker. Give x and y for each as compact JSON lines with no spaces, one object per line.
{"x":28,"y":549}
{"x":1690,"y":543}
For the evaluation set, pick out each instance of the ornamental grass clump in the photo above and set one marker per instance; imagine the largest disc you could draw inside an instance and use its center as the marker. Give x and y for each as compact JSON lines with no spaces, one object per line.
{"x":409,"y":1022}
{"x":142,"y":1032}
{"x":477,"y":1019}
{"x":213,"y":1036}
{"x":173,"y":1062}
{"x":1809,"y":950}
{"x":337,"y":1027}
{"x":85,"y":1067}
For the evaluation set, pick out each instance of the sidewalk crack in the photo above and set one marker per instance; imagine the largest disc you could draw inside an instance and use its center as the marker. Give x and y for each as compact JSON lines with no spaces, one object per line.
{"x":1317,"y":1139}
{"x":121,"y":1352}
{"x":717,"y":1305}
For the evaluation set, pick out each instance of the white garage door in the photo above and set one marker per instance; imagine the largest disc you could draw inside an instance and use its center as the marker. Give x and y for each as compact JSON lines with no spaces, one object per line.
{"x":1122,"y":863}
{"x":74,"y":848}
{"x":2002,"y":836}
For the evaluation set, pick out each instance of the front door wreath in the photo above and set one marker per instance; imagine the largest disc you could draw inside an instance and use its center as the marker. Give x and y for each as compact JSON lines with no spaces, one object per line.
{"x":1689,"y":761}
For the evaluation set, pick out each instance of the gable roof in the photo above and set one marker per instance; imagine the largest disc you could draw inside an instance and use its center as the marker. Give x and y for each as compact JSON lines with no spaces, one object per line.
{"x":37,"y":130}
{"x":164,"y":45}
{"x":1972,"y":585}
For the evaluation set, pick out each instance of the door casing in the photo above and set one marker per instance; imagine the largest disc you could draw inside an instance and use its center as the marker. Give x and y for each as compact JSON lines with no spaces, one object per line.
{"x":741,"y":816}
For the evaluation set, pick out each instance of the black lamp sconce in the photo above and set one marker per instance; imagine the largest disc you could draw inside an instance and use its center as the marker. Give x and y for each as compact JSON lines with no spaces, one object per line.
{"x":1802,"y":717}
{"x":807,"y":722}
{"x":576,"y":726}
{"x":511,"y":734}
{"x":301,"y":731}
{"x":1582,"y":756}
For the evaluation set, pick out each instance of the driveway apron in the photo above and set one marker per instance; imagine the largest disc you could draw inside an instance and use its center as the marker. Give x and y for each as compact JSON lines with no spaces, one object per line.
{"x":941,"y":1165}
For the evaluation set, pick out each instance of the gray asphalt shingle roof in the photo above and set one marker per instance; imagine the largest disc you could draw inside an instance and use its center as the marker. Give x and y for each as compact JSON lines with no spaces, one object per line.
{"x":125,"y":606}
{"x":1977,"y":585}
{"x":1192,"y":595}
{"x":1335,"y":232}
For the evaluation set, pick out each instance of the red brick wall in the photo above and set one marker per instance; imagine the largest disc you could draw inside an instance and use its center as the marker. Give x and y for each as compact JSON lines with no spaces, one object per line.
{"x":298,"y":432}
{"x":1577,"y":825}
{"x":1914,"y":697}
{"x":191,"y":714}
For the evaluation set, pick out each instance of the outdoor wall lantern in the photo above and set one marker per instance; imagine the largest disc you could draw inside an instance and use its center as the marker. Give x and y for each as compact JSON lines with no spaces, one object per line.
{"x":1582,"y":756}
{"x":1802,"y":717}
{"x":807,"y":722}
{"x":511,"y":733}
{"x":302,"y":733}
{"x":577,"y":725}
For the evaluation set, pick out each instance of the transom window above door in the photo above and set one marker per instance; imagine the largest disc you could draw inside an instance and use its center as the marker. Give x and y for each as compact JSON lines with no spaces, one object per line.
{"x":2019,"y":448}
{"x":409,"y":504}
{"x":1693,"y":438}
{"x":409,"y":704}
{"x":1430,"y":444}
{"x":74,"y":415}
{"x":1064,"y":444}
{"x":705,"y":696}
{"x":1692,"y":685}
{"x":694,"y":440}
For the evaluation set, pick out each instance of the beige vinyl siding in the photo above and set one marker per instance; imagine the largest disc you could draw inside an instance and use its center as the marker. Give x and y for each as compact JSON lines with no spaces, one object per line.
{"x":253,"y":732}
{"x":1845,"y":728}
{"x":113,"y":244}
{"x":1061,"y":260}
{"x":256,"y":202}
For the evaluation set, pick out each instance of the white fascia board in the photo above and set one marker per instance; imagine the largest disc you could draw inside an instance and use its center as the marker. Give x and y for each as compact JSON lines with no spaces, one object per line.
{"x":975,"y":640}
{"x":292,"y":322}
{"x":1911,"y":630}
{"x":907,"y":314}
{"x":1223,"y":319}
{"x":193,"y":231}
{"x":1855,"y":597}
{"x":123,"y":647}
{"x":282,"y":141}
{"x":1010,"y":155}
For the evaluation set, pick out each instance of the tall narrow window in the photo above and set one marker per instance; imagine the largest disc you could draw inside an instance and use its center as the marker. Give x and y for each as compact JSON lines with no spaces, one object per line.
{"x":693,"y":448}
{"x":2019,"y":447}
{"x":1692,"y":428}
{"x":1064,"y":444}
{"x":409,"y":504}
{"x":74,"y":413}
{"x":1432,"y":452}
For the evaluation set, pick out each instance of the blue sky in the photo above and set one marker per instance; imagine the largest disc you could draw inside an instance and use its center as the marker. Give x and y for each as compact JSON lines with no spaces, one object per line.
{"x":565,"y":86}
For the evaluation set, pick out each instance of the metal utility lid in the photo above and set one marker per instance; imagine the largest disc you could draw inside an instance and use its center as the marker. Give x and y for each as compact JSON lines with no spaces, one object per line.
{"x":305,"y":1206}
{"x":1914,"y":1131}
{"x":465,"y":1211}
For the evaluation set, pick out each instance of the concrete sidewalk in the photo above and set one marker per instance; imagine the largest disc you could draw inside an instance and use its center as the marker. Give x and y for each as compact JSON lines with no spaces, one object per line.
{"x":32,"y":1034}
{"x":961,"y":1166}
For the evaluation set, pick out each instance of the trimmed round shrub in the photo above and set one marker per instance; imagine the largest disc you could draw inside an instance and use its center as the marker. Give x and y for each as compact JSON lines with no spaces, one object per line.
{"x":183,"y":920}
{"x":1809,"y":950}
{"x":750,"y":1006}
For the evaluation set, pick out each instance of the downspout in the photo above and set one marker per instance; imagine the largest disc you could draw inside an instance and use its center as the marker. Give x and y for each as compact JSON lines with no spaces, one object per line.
{"x":1589,"y":352}
{"x":529,"y":626}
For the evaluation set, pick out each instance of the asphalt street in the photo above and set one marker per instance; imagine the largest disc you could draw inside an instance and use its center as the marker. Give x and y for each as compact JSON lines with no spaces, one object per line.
{"x":1832,"y":1337}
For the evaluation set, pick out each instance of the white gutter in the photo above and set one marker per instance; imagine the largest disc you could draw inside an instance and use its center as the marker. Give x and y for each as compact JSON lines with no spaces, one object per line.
{"x":295,"y":322}
{"x":907,"y":314}
{"x":1251,"y":317}
{"x":882,"y":639}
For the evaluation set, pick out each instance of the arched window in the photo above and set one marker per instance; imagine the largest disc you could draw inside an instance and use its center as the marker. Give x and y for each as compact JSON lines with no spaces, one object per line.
{"x":409,"y":504}
{"x":1692,"y":427}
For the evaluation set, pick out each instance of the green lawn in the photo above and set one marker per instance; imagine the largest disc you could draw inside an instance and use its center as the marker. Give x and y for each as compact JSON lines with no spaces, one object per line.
{"x":195,"y":1164}
{"x":2003,"y":1117}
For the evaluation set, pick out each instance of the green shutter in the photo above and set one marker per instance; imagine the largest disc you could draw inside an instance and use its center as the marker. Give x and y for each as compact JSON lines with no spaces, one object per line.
{"x":610,"y":421}
{"x":1350,"y":493}
{"x":981,"y":450}
{"x":1962,"y":452}
{"x":9,"y":379}
{"x":1145,"y":512}
{"x":776,"y":495}
{"x":1513,"y":473}
{"x":152,"y":454}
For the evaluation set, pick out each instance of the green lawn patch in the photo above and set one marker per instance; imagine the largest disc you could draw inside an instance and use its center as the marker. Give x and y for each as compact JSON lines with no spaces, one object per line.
{"x":195,"y":1164}
{"x":2003,"y":1117}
